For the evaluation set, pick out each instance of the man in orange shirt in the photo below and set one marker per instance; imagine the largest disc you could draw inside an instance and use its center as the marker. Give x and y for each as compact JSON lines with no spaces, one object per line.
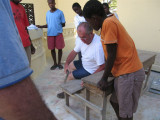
{"x":121,"y":60}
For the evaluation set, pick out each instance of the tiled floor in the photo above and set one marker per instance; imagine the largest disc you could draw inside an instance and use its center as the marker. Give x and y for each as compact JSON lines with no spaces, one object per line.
{"x":48,"y":84}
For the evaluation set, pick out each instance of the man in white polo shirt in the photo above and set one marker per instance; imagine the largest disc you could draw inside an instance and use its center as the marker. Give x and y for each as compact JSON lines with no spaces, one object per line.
{"x":92,"y":54}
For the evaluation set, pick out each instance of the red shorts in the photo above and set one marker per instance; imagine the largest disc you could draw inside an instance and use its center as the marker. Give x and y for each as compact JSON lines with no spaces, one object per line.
{"x":55,"y":42}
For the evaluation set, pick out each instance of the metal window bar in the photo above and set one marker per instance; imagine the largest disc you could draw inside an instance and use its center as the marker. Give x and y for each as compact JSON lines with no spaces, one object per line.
{"x":29,"y":8}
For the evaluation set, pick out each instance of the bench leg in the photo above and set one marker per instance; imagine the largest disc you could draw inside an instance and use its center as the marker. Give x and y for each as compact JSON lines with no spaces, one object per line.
{"x":67,"y":99}
{"x":148,"y":73}
{"x":87,"y":97}
{"x":104,"y":107}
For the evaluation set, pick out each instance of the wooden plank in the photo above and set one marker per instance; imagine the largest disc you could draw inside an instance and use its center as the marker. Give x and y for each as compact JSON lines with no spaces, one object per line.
{"x":96,"y":90}
{"x":148,"y":63}
{"x":146,"y":80}
{"x":95,"y":78}
{"x":87,"y":111}
{"x":104,"y":107}
{"x":147,"y":58}
{"x":72,"y":86}
{"x":93,"y":89}
{"x":67,"y":99}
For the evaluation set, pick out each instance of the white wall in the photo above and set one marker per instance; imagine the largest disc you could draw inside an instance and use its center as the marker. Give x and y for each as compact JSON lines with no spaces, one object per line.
{"x":40,"y":9}
{"x":66,"y":7}
{"x":142,"y":20}
{"x":139,"y":17}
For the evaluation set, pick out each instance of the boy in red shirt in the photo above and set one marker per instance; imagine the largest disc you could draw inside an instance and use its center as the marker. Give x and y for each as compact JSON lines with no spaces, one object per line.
{"x":22,"y":23}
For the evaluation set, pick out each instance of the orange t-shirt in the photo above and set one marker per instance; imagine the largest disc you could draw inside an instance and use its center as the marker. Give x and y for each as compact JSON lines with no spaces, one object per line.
{"x":127,"y":60}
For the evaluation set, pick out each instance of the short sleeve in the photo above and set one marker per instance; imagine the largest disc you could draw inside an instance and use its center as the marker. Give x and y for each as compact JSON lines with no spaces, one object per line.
{"x":78,"y":45}
{"x":109,"y":32}
{"x":62,"y":18}
{"x":76,"y":22}
{"x":14,"y":65}
{"x":26,"y":22}
{"x":100,"y":59}
{"x":47,"y":18}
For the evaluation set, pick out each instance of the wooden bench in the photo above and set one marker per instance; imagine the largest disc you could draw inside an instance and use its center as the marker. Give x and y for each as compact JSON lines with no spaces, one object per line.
{"x":90,"y":85}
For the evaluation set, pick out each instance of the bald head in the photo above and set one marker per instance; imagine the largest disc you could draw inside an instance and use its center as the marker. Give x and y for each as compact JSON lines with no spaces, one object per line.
{"x":85,"y":32}
{"x":85,"y":27}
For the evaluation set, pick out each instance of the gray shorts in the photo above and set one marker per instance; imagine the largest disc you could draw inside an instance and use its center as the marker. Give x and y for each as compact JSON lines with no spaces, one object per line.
{"x":127,"y":90}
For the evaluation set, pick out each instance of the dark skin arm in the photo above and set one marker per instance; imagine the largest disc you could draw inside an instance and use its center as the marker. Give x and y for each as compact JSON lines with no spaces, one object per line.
{"x":46,"y":26}
{"x":111,"y":50}
{"x":22,"y":101}
{"x":42,"y":26}
{"x":63,"y":24}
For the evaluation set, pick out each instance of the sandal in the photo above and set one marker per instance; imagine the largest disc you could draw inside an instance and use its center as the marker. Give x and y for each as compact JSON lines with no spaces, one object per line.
{"x":53,"y":67}
{"x":60,"y":95}
{"x":60,"y":67}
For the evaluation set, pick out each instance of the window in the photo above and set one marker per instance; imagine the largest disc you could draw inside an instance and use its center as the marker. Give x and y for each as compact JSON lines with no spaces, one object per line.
{"x":30,"y":12}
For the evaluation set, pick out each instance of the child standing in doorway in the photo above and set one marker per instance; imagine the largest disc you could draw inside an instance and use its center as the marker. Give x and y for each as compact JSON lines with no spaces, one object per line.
{"x":55,"y":22}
